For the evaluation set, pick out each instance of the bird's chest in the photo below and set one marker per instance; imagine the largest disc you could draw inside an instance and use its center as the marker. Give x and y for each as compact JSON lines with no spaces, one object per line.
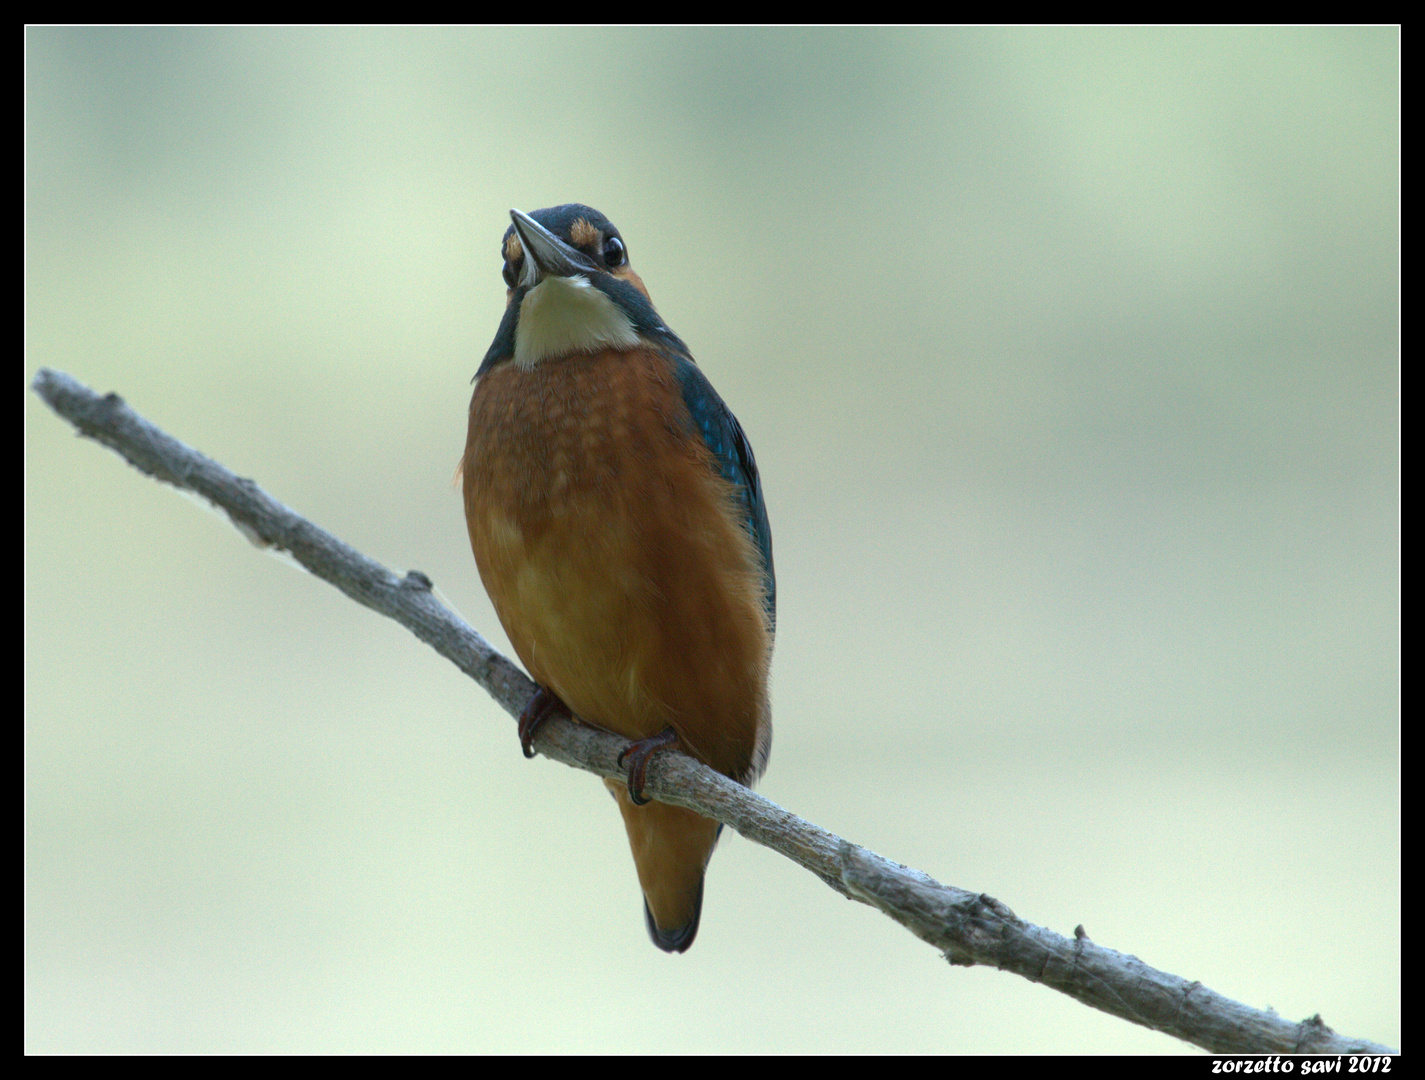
{"x":567,"y":464}
{"x":570,"y":445}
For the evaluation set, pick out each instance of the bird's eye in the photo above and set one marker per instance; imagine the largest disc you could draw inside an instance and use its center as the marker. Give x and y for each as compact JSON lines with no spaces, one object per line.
{"x":614,"y":252}
{"x":508,"y":273}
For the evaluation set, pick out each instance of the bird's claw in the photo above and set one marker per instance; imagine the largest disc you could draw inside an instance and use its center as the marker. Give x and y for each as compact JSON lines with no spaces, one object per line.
{"x":638,"y":754}
{"x":541,"y":707}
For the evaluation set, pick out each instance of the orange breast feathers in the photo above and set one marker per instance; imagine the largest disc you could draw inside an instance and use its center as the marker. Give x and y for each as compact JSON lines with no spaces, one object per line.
{"x":616,"y":555}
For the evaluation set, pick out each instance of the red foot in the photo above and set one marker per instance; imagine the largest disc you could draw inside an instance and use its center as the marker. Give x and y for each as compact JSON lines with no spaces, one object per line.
{"x":638,"y":754}
{"x":541,"y":707}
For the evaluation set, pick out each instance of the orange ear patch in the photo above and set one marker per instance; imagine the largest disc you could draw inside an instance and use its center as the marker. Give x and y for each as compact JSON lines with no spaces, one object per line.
{"x":584,"y":235}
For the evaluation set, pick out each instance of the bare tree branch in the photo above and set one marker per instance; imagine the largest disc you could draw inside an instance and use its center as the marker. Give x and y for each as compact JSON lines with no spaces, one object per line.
{"x":968,"y":928}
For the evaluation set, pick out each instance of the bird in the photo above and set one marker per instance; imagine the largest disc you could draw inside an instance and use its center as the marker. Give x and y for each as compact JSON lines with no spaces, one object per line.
{"x":617,"y":520}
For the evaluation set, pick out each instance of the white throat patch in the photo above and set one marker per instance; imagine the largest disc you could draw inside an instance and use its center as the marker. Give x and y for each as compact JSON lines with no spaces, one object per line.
{"x":567,"y":314}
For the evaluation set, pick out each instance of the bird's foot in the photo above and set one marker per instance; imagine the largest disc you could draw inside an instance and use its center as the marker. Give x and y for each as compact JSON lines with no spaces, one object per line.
{"x":541,"y":707}
{"x":638,"y":754}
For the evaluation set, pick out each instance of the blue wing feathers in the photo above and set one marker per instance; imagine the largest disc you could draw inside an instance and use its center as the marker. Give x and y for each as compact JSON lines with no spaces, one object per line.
{"x":723,"y":435}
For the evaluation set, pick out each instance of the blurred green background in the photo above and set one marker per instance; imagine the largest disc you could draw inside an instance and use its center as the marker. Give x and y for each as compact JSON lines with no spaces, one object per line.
{"x":1071,"y":361}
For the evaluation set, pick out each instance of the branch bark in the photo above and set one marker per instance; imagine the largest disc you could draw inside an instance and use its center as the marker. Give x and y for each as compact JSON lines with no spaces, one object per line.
{"x":967,"y":928}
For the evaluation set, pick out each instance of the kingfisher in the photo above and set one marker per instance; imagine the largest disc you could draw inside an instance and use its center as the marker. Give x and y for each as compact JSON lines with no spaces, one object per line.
{"x":617,"y":520}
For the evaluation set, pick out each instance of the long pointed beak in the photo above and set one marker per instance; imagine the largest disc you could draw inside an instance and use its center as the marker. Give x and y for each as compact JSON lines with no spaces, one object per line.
{"x":545,"y":254}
